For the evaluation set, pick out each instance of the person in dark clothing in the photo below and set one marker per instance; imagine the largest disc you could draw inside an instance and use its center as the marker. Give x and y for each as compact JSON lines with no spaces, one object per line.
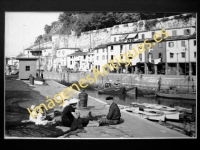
{"x":114,"y":114}
{"x":72,"y":119}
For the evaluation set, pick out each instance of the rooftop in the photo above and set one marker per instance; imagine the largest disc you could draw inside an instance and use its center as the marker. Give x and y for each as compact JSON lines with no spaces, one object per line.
{"x":170,"y":38}
{"x":79,"y":53}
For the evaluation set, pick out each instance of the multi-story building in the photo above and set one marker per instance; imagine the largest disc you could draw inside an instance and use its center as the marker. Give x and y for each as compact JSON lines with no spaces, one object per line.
{"x":159,"y":58}
{"x":81,"y":61}
{"x":61,"y":55}
{"x":100,"y":56}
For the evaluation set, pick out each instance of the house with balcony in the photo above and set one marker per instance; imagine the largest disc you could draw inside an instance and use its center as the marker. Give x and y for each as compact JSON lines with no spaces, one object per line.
{"x":156,"y":59}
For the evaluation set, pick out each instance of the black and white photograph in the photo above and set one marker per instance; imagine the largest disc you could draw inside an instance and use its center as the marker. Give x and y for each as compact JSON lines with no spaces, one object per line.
{"x":100,"y":75}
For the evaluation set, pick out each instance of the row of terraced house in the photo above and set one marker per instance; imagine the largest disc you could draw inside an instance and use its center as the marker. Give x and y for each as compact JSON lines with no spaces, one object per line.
{"x":174,"y":55}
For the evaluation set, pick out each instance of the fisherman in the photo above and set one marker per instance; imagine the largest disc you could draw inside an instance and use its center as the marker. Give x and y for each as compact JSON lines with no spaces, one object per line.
{"x":72,"y":119}
{"x":114,"y":114}
{"x":117,"y":83}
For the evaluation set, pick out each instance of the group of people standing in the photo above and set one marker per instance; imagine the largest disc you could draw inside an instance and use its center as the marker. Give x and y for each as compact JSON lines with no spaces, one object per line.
{"x":69,"y":117}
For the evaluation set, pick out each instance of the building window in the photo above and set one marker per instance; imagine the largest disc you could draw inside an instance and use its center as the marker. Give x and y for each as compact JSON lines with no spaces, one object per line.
{"x":121,"y":48}
{"x":111,"y":57}
{"x":187,"y":32}
{"x":103,"y":57}
{"x":84,"y":57}
{"x":194,"y":54}
{"x":97,"y":51}
{"x":150,"y":55}
{"x":106,"y":56}
{"x":143,"y":36}
{"x":171,"y":44}
{"x":183,"y":43}
{"x":153,"y":34}
{"x":195,"y":43}
{"x":130,"y":46}
{"x":103,"y":50}
{"x":174,"y":33}
{"x":27,"y":68}
{"x":70,"y":62}
{"x":114,"y":39}
{"x":159,"y":55}
{"x":111,"y":48}
{"x":160,"y":45}
{"x":183,"y":54}
{"x":171,"y":55}
{"x":97,"y":57}
{"x":140,"y":57}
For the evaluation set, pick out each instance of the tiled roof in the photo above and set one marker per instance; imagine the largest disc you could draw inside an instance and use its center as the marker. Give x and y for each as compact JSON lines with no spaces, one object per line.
{"x":78,"y":54}
{"x":68,"y":48}
{"x":28,"y":49}
{"x":100,"y":46}
{"x":170,"y":38}
{"x":26,"y":58}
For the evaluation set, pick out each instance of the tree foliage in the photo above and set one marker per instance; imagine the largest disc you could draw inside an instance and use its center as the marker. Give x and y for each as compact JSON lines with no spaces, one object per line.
{"x":47,"y":28}
{"x":86,"y":21}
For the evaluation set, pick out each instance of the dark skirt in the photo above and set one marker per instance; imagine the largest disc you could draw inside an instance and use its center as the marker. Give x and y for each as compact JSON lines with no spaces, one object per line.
{"x":76,"y":123}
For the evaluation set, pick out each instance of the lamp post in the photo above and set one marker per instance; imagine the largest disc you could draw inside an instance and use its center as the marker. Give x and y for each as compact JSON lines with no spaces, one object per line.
{"x":177,"y":65}
{"x":185,"y":58}
{"x":38,"y":40}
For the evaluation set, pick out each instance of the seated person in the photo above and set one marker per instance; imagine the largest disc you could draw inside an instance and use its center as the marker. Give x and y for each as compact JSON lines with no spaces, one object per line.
{"x":60,"y":110}
{"x":37,"y":116}
{"x":114,"y":114}
{"x":117,"y":83}
{"x":72,"y":119}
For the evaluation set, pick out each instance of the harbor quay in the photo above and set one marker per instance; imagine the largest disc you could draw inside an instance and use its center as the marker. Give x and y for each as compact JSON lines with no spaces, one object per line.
{"x":146,"y":84}
{"x":20,"y":95}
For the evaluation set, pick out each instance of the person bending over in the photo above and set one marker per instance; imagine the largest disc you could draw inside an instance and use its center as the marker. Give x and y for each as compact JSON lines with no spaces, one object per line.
{"x":72,"y":119}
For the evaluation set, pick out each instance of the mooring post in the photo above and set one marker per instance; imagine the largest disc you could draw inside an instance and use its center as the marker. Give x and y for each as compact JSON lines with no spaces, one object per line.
{"x":135,"y":92}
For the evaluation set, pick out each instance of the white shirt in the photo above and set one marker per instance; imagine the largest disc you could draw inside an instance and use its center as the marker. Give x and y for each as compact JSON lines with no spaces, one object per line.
{"x":38,"y":119}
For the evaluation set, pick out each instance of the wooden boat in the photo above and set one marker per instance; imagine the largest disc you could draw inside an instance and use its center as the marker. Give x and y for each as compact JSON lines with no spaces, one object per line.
{"x":174,"y":115}
{"x":177,"y":96}
{"x":111,"y":89}
{"x":182,"y":109}
{"x":153,"y":106}
{"x":150,"y":96}
{"x":145,"y":114}
{"x":157,"y":118}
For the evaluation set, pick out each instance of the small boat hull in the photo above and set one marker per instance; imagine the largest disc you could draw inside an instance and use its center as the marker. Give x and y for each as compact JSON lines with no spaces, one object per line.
{"x":177,"y":96}
{"x":157,"y":118}
{"x":112,"y":91}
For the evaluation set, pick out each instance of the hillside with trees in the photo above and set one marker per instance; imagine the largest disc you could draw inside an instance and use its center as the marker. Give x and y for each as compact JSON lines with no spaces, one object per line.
{"x":86,"y":21}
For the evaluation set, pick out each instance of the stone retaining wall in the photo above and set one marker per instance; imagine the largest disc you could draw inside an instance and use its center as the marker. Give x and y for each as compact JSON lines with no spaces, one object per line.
{"x":145,"y":83}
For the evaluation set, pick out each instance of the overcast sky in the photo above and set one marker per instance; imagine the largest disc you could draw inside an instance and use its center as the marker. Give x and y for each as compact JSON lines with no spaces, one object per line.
{"x":21,"y":29}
